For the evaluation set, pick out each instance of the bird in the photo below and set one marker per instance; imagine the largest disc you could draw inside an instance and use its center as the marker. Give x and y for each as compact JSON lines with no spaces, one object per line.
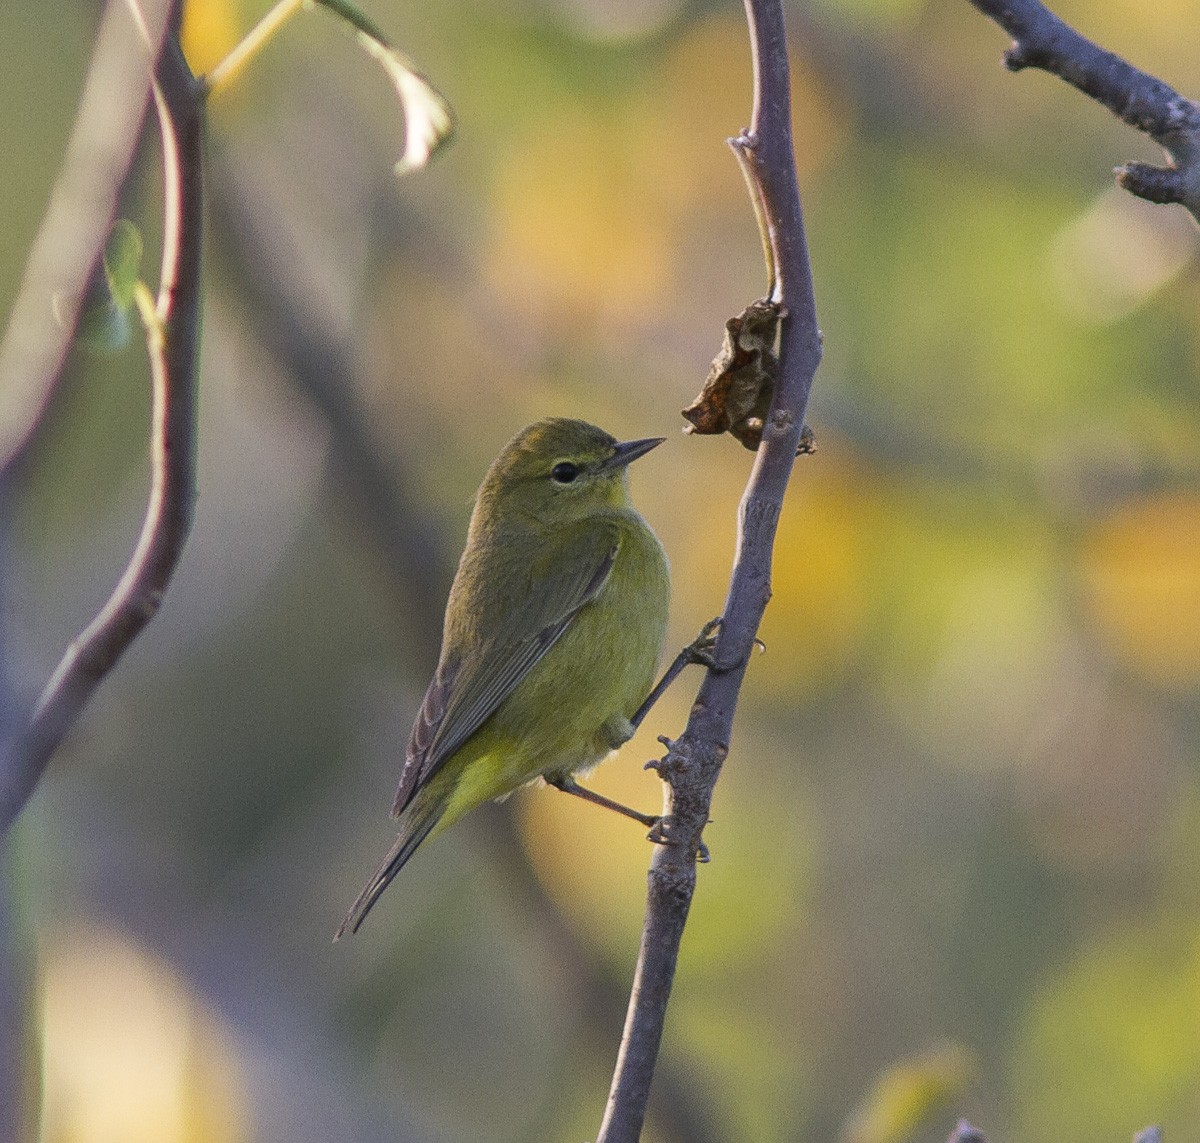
{"x":552,"y":634}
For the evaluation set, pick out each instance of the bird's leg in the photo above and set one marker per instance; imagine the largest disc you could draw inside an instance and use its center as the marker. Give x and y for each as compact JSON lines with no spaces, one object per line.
{"x":699,"y":650}
{"x":568,"y":785}
{"x":656,"y":823}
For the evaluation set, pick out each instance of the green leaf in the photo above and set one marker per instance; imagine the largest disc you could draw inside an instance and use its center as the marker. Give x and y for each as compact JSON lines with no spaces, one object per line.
{"x":122,"y":261}
{"x":428,"y":120}
{"x":104,"y":318}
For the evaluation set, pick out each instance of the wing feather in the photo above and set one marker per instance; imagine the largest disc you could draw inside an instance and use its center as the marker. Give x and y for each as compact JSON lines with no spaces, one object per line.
{"x":472,"y":681}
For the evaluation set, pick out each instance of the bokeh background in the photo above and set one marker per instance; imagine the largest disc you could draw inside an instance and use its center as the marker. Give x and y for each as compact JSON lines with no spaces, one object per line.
{"x":956,"y":849}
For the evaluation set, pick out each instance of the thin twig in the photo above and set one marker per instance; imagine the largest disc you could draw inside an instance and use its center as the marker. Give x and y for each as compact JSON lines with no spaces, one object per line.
{"x":1042,"y":40}
{"x":173,"y":342}
{"x":68,"y":246}
{"x":254,"y":41}
{"x":693,"y":763}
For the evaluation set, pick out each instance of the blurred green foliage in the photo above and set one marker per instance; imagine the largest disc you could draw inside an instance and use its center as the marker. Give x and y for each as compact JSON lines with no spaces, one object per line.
{"x":106,"y":321}
{"x":961,"y":802}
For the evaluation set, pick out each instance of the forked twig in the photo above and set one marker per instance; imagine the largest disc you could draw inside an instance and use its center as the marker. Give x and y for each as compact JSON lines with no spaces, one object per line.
{"x":1042,"y":40}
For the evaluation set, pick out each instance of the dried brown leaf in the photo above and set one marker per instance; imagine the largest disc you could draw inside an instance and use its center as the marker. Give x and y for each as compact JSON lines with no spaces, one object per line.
{"x":741,"y":382}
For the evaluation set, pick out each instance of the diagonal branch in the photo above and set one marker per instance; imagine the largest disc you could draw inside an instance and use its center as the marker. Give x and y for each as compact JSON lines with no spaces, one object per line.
{"x":1042,"y":40}
{"x":693,"y":763}
{"x":173,"y":341}
{"x":250,"y":234}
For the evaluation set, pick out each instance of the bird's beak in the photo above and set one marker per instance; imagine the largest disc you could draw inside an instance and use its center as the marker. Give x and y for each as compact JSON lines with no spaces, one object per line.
{"x":625,"y":452}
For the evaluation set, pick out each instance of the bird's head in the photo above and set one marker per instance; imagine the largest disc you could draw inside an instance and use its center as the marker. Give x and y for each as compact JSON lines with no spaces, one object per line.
{"x":561,"y":470}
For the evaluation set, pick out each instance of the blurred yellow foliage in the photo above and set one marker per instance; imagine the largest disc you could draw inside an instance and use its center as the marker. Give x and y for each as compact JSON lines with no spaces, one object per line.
{"x":822,"y":597}
{"x":755,"y":893}
{"x":908,"y":1094}
{"x":968,"y":593}
{"x":129,"y":1053}
{"x":594,"y":200}
{"x":211,"y":30}
{"x":701,"y":97}
{"x":1141,"y":571}
{"x":577,"y":230}
{"x":758,"y":1076}
{"x":1109,"y":1044}
{"x":824,"y":558}
{"x":594,"y":862}
{"x":1166,"y":45}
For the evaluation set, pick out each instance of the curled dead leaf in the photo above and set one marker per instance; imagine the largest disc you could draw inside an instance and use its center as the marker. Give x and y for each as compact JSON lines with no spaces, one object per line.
{"x":741,"y":382}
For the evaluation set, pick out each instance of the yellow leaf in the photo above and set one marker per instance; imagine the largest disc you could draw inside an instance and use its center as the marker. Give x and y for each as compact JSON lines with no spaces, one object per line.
{"x":211,"y":30}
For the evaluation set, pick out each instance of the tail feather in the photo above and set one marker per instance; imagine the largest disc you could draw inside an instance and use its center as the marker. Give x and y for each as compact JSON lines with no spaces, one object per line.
{"x":412,"y":833}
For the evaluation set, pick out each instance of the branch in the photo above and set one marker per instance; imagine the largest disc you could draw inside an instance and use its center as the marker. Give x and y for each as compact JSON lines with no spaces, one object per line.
{"x":693,"y":763}
{"x":172,"y":337}
{"x":1042,"y":40}
{"x":68,"y":246}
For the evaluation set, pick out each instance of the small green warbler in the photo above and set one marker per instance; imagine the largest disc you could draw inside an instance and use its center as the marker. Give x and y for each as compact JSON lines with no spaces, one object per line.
{"x":551,"y":638}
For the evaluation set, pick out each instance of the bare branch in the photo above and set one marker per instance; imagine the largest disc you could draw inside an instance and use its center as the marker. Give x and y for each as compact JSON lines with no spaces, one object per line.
{"x":173,"y":343}
{"x":693,"y":763}
{"x":1042,"y":40}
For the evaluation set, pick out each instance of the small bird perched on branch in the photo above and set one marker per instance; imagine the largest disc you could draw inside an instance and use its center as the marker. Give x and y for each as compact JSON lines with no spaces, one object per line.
{"x":552,"y":634}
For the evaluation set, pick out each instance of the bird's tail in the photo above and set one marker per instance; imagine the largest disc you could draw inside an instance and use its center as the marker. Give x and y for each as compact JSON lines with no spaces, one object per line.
{"x":415,"y":826}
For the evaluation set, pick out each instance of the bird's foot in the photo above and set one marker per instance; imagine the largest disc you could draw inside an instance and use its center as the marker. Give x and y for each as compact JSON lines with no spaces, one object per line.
{"x":700,"y":650}
{"x":660,"y":835}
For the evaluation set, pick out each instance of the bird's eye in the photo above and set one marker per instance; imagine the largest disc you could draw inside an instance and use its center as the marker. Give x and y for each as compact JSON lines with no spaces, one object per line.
{"x":564,"y":473}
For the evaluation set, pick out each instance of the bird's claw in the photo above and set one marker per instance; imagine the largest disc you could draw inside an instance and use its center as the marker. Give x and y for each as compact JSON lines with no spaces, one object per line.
{"x":658,"y":832}
{"x":660,"y":835}
{"x":700,"y":650}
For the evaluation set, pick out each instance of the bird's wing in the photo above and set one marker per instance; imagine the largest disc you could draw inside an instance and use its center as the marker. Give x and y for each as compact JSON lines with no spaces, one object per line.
{"x":467,"y":689}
